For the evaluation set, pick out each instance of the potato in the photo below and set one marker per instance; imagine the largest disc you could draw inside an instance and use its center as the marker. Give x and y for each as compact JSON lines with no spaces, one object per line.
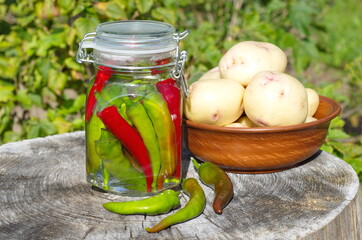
{"x":310,"y":119}
{"x":242,"y":122}
{"x":214,"y":101}
{"x":313,"y":101}
{"x":246,"y":122}
{"x":211,"y":74}
{"x":245,"y":59}
{"x":275,"y":99}
{"x":235,"y":125}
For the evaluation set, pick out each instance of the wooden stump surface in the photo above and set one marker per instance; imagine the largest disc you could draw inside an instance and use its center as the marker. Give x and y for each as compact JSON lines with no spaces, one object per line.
{"x":44,"y":195}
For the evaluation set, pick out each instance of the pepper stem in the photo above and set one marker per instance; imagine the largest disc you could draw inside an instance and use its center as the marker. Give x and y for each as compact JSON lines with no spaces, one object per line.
{"x":196,"y":164}
{"x":105,"y":178}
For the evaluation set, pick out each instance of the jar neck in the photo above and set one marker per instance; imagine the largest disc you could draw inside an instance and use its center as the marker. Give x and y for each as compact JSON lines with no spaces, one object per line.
{"x":155,"y":72}
{"x":134,"y":63}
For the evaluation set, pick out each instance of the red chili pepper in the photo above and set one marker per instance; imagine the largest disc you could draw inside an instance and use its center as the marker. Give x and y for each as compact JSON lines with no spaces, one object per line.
{"x":103,"y":75}
{"x":155,"y":71}
{"x":171,"y":93}
{"x":130,"y":138}
{"x":214,"y":176}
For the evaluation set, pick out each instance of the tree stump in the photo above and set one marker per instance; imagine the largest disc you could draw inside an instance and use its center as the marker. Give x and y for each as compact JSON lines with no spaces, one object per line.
{"x":44,"y":195}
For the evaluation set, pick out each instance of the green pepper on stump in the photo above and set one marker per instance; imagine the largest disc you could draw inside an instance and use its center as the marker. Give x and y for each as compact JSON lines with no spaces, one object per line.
{"x":213,"y":176}
{"x":194,"y":207}
{"x":155,"y":205}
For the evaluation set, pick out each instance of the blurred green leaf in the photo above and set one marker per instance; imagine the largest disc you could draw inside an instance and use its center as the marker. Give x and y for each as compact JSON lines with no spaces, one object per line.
{"x":115,"y":11}
{"x":5,"y":117}
{"x":164,"y":14}
{"x":6,"y":91}
{"x":300,"y":16}
{"x":304,"y":52}
{"x":337,"y":122}
{"x":144,"y":5}
{"x":41,"y":129}
{"x":85,"y":25}
{"x":327,"y":148}
{"x":8,"y":67}
{"x":276,"y":6}
{"x":48,"y":96}
{"x":337,"y":134}
{"x":66,"y":5}
{"x":26,"y":20}
{"x":357,"y":150}
{"x":78,"y":123}
{"x":62,"y":125}
{"x":10,"y":136}
{"x":33,"y":132}
{"x":76,"y":106}
{"x":23,"y":97}
{"x":356,"y":164}
{"x":72,"y":64}
{"x":55,"y":39}
{"x":79,"y":103}
{"x":57,"y":81}
{"x":35,"y":99}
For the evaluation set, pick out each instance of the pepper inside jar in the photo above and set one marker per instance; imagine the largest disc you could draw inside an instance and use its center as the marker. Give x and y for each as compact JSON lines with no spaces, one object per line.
{"x":134,"y":108}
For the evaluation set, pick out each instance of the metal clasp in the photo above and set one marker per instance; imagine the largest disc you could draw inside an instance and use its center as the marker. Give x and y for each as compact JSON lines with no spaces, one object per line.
{"x":87,"y":42}
{"x":181,"y":58}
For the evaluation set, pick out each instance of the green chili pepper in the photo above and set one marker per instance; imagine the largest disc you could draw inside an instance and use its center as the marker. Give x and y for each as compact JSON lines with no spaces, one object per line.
{"x":105,"y":100}
{"x":111,"y":94}
{"x":114,"y":160}
{"x":194,"y":207}
{"x":138,"y":116}
{"x":215,"y":177}
{"x":158,"y":204}
{"x":93,"y":133}
{"x":157,"y":110}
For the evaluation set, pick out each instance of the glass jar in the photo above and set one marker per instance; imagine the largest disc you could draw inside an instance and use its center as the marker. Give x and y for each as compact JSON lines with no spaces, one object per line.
{"x":134,"y":106}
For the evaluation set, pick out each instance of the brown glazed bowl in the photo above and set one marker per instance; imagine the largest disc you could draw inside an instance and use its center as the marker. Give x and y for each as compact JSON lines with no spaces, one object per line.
{"x":261,"y":149}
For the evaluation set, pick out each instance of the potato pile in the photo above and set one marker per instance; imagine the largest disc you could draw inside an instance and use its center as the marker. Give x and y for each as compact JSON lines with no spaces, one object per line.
{"x":249,"y":88}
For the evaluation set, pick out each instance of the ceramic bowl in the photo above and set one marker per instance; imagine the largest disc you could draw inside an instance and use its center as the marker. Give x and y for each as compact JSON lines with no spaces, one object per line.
{"x":261,"y":149}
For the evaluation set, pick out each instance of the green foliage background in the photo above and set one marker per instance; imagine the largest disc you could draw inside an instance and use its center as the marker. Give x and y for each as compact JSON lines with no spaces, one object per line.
{"x":42,"y":88}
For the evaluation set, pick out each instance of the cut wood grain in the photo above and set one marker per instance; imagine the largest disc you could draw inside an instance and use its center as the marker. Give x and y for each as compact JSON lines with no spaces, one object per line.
{"x":44,"y":195}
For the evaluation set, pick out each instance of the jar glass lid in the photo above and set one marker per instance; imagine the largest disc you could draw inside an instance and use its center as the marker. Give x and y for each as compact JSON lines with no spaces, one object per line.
{"x":135,"y":36}
{"x":125,"y":42}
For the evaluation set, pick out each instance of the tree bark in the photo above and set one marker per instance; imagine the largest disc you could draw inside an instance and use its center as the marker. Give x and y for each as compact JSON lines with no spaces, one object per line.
{"x":44,"y":195}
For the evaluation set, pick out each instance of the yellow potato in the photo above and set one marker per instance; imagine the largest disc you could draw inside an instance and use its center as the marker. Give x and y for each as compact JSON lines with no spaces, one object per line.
{"x":235,"y":125}
{"x":211,"y":74}
{"x":214,"y":101}
{"x":245,"y":59}
{"x":310,"y":119}
{"x":275,"y":99}
{"x":313,"y":101}
{"x":246,"y":122}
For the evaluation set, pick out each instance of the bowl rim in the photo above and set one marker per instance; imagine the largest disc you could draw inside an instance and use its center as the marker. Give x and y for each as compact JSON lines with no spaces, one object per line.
{"x":336,"y":109}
